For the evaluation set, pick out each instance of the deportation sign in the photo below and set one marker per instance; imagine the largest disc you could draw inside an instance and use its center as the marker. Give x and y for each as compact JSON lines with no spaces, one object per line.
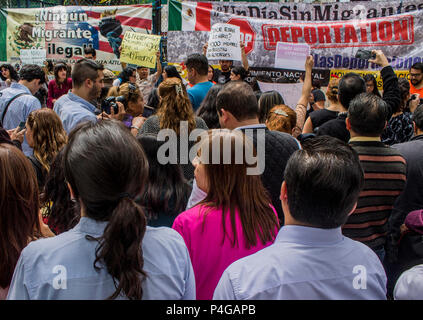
{"x":140,"y":49}
{"x":224,"y":42}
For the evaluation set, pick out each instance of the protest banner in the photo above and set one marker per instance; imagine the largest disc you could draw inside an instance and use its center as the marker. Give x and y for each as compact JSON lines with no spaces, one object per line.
{"x":64,"y":31}
{"x":339,"y":73}
{"x":140,"y":49}
{"x":287,"y":75}
{"x":334,"y":31}
{"x":290,"y":92}
{"x":33,"y":56}
{"x":223,"y":42}
{"x":291,"y":55}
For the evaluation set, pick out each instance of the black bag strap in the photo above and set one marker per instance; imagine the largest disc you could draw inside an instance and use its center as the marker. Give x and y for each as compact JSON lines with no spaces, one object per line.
{"x":8,"y":104}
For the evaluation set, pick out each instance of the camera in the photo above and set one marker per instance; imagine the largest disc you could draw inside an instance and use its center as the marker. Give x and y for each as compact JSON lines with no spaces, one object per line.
{"x":365,"y":54}
{"x":110,"y":102}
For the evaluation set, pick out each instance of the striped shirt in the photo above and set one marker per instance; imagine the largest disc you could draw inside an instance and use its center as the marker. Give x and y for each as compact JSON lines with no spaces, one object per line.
{"x":384,"y":179}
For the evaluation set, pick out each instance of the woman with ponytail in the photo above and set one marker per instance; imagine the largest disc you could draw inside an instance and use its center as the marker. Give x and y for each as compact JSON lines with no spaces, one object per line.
{"x":110,"y":253}
{"x":175,"y":109}
{"x":319,"y":117}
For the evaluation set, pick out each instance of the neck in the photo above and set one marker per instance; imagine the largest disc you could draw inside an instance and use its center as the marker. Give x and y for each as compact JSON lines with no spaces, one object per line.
{"x":80,"y":92}
{"x":247,"y":122}
{"x":201,"y":79}
{"x":336,"y":107}
{"x":26,"y":84}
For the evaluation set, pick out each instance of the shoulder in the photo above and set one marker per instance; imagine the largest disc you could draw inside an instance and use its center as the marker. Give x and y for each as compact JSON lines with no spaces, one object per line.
{"x":200,"y":123}
{"x":410,"y":284}
{"x":282,"y":138}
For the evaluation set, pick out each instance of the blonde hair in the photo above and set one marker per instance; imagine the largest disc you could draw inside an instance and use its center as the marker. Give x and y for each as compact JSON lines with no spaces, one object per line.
{"x":281,"y":118}
{"x":48,"y":135}
{"x":332,"y":92}
{"x":174,"y":106}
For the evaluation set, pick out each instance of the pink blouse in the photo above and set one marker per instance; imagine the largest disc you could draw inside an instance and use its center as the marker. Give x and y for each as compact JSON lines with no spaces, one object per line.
{"x":54,"y":92}
{"x":209,"y":256}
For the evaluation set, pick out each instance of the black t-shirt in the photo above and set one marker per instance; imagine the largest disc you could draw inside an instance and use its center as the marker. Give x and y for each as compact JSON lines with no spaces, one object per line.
{"x":221,"y":77}
{"x":321,"y":116}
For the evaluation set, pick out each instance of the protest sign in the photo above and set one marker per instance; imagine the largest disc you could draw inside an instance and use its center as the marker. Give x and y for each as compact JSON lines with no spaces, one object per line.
{"x":291,"y":55}
{"x":140,"y":49}
{"x":33,"y":56}
{"x":290,"y":92}
{"x":223,"y":42}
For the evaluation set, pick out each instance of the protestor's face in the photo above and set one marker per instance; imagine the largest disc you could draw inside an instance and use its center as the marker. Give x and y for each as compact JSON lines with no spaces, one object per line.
{"x":225,"y":65}
{"x":89,"y":56}
{"x":210,"y":74}
{"x":370,"y":86}
{"x":98,"y":84}
{"x":5,"y":73}
{"x":416,"y":76}
{"x":29,"y":136}
{"x":143,"y":73}
{"x":133,"y":78}
{"x":62,"y":74}
{"x":234,"y":77}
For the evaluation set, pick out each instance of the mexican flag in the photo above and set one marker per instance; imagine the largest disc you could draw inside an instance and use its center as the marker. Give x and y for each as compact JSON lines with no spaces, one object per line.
{"x":189,"y":16}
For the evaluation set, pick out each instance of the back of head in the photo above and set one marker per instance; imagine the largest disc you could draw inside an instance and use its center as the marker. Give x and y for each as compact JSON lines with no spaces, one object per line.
{"x":281,"y":118}
{"x":85,"y":69}
{"x":333,"y":89}
{"x":208,"y":110}
{"x":19,"y":208}
{"x":48,"y":135}
{"x":316,"y":83}
{"x":90,"y":51}
{"x":106,"y":169}
{"x":174,"y":106}
{"x":267,"y":101}
{"x":239,"y":70}
{"x":367,"y":114}
{"x":404,"y":87}
{"x":172,"y":72}
{"x":418,"y":117}
{"x":125,"y":74}
{"x":199,"y":63}
{"x":350,"y":86}
{"x":315,"y":179}
{"x":238,"y":98}
{"x":31,"y":72}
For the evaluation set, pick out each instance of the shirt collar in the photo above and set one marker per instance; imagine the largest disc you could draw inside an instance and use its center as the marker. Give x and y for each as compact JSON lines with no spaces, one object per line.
{"x":83,"y":102}
{"x":19,"y":86}
{"x":91,"y":226}
{"x":360,"y":138}
{"x":252,"y":126}
{"x":309,"y":235}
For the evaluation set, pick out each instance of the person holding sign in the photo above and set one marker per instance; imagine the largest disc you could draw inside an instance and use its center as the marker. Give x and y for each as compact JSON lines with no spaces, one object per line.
{"x":145,"y":80}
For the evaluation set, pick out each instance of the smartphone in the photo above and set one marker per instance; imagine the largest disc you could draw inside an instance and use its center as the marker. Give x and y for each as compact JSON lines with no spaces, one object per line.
{"x":365,"y":54}
{"x":21,"y":126}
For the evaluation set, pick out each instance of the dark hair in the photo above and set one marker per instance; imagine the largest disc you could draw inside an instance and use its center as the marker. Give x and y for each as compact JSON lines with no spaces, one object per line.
{"x":166,"y":190}
{"x":266,"y":102}
{"x":153,"y":98}
{"x":172,"y":72}
{"x":315,"y":180}
{"x":262,"y":78}
{"x":42,"y":95}
{"x":370,"y":77}
{"x":404,"y":87}
{"x":90,"y":50}
{"x":240,"y":71}
{"x":199,"y":62}
{"x":350,"y":85}
{"x":50,"y":65}
{"x":418,"y":117}
{"x":30,"y":72}
{"x":316,"y":83}
{"x":107,"y":168}
{"x":57,"y":68}
{"x":62,"y":213}
{"x":12,"y":71}
{"x":207,"y":110}
{"x":125,"y":74}
{"x":367,"y":114}
{"x":19,"y":207}
{"x":85,"y":69}
{"x":417,"y":66}
{"x":238,"y":98}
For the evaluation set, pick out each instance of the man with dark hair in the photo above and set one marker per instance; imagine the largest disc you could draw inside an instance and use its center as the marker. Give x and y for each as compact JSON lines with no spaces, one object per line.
{"x":197,"y":68}
{"x":351,"y":85}
{"x":75,"y":107}
{"x":416,"y":79}
{"x":319,"y":98}
{"x":89,"y":53}
{"x":18,"y":101}
{"x":310,"y":258}
{"x":237,"y":108}
{"x":384,"y":169}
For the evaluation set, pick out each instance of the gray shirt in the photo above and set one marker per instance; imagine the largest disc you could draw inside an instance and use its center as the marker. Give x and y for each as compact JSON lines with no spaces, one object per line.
{"x":61,"y":268}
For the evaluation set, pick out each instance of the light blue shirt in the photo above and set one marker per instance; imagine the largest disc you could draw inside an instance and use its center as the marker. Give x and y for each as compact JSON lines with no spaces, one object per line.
{"x":306,"y":263}
{"x":18,"y":110}
{"x":44,"y":264}
{"x":198,"y":92}
{"x":72,"y":110}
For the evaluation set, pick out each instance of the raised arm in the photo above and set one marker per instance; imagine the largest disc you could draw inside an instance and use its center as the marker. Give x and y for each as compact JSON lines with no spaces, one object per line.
{"x":244,"y":56}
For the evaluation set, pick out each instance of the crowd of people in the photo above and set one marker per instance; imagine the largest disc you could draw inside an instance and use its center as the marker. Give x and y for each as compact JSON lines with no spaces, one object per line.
{"x":145,"y":185}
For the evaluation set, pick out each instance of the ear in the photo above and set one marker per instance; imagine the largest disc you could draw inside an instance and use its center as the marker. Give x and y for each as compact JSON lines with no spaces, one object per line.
{"x":284,"y":193}
{"x":88,"y":83}
{"x":348,"y":123}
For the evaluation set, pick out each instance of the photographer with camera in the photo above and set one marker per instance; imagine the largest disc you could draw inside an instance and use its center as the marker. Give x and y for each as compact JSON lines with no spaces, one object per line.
{"x":127,"y":101}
